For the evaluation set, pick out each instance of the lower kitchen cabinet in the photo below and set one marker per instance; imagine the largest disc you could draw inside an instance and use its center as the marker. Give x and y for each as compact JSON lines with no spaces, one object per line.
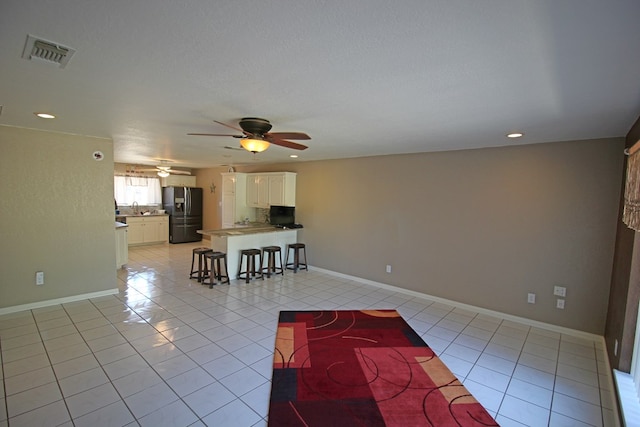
{"x":122,"y":251}
{"x":149,"y":229}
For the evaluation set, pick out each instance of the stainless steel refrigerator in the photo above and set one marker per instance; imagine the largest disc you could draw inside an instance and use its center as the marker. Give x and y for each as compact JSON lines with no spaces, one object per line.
{"x":184,"y":206}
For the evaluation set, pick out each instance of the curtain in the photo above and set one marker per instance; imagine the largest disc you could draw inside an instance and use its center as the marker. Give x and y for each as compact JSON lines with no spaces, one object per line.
{"x":144,"y":191}
{"x":631,"y":213}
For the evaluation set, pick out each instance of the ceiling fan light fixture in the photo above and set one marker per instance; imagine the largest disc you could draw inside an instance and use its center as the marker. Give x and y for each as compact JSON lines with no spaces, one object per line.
{"x":163,"y":174}
{"x":254,"y":145}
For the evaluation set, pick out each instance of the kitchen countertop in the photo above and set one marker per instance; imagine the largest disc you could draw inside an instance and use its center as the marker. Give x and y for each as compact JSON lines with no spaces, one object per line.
{"x":139,"y":215}
{"x":242,"y":231}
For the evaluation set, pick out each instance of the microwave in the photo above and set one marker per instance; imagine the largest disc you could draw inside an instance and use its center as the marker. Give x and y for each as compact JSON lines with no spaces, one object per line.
{"x":282,"y":215}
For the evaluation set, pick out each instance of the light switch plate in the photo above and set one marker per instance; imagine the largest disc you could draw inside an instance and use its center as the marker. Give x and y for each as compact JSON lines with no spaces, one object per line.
{"x":560,"y":291}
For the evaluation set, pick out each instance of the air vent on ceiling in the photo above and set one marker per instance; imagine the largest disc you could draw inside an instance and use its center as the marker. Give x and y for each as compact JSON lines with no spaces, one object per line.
{"x":44,"y":50}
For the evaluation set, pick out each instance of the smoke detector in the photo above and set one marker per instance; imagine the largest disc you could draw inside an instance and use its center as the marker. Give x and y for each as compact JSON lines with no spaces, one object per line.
{"x":44,"y":50}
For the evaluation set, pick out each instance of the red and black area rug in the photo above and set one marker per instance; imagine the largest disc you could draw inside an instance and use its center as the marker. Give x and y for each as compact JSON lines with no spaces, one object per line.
{"x":363,"y":368}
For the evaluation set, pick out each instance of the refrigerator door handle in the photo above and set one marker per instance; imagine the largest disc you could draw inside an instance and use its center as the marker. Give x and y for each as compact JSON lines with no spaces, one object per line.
{"x":187,"y":196}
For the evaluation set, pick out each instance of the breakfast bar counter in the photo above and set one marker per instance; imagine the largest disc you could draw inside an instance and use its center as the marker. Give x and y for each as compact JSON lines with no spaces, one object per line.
{"x":232,"y":240}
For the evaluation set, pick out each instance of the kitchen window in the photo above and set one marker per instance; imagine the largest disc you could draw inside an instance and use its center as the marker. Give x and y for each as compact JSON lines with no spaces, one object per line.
{"x":145,"y":191}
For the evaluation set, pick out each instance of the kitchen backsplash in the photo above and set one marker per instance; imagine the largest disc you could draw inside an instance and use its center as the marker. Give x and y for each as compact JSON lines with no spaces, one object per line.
{"x":262,"y":215}
{"x":129,"y":210}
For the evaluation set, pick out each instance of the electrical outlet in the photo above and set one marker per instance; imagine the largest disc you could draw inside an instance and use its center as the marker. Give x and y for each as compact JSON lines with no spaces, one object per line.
{"x":560,"y":291}
{"x":560,"y":303}
{"x":388,"y":268}
{"x":531,"y":298}
{"x":39,"y":278}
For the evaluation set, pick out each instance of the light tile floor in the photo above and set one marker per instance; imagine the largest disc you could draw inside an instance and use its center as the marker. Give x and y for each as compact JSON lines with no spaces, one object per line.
{"x":168,"y":351}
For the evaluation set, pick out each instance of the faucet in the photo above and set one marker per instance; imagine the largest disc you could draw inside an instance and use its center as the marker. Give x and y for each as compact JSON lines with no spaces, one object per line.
{"x":135,"y":207}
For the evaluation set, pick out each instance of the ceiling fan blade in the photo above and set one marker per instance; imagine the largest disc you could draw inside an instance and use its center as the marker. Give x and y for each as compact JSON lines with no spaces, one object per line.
{"x":233,"y":148}
{"x":179,"y":172}
{"x":285,"y":143}
{"x":229,"y":126}
{"x":216,"y":134}
{"x":289,"y":135}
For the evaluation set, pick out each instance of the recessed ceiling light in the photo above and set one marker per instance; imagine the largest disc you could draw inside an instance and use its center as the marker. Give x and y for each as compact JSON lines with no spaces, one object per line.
{"x":294,"y":156}
{"x":515,"y":135}
{"x":45,"y":115}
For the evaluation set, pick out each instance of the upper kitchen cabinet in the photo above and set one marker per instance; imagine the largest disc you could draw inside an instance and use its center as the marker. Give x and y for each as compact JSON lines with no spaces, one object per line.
{"x":257,"y":190}
{"x":271,"y":189}
{"x":234,"y":199}
{"x":282,"y":189}
{"x":178,"y":181}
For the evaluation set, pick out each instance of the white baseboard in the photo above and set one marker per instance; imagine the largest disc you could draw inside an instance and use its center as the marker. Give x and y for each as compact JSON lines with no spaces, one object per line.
{"x":530,"y":322}
{"x":560,"y":329}
{"x":47,"y":303}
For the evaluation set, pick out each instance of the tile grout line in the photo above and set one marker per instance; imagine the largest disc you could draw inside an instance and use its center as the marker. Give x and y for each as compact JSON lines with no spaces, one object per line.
{"x":287,"y":294}
{"x":188,"y":356}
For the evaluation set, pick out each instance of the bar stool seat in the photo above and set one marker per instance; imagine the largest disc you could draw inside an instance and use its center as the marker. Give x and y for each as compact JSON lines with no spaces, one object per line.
{"x":269,"y":256}
{"x":215,"y":272}
{"x":202,"y":263}
{"x":297,"y":264}
{"x":253,"y":269}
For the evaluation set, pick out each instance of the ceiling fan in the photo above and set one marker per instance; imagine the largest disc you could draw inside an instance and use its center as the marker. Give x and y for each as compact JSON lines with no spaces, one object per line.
{"x":164,"y":170}
{"x":257,"y":138}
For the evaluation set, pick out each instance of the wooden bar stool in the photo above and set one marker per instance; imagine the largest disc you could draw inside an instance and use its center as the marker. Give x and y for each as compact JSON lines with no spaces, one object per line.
{"x":215,"y":272}
{"x":270,"y":258}
{"x":201,"y":272}
{"x":298,"y":249}
{"x":253,"y":270}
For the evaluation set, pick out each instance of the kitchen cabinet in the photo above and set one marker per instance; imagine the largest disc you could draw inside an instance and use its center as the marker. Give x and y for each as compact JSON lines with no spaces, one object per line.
{"x":122,"y":250}
{"x":148,"y":229}
{"x":258,"y":191}
{"x":178,"y":181}
{"x":282,"y":189}
{"x":234,"y":199}
{"x":271,"y":189}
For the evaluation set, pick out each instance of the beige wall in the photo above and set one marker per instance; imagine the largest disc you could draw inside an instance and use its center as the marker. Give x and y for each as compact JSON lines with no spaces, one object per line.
{"x":57,"y":216}
{"x":481,"y":227}
{"x":212,"y":212}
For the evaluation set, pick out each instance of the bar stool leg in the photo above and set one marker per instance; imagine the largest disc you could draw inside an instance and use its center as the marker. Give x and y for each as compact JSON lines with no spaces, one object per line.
{"x":213,"y":276}
{"x":226,"y":270}
{"x":269,"y":263}
{"x":257,"y":272}
{"x":252,"y":270}
{"x":304,"y":252}
{"x":247,"y":275}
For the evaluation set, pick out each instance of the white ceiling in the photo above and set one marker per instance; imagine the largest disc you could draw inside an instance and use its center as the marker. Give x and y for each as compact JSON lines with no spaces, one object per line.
{"x":360,"y":77}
